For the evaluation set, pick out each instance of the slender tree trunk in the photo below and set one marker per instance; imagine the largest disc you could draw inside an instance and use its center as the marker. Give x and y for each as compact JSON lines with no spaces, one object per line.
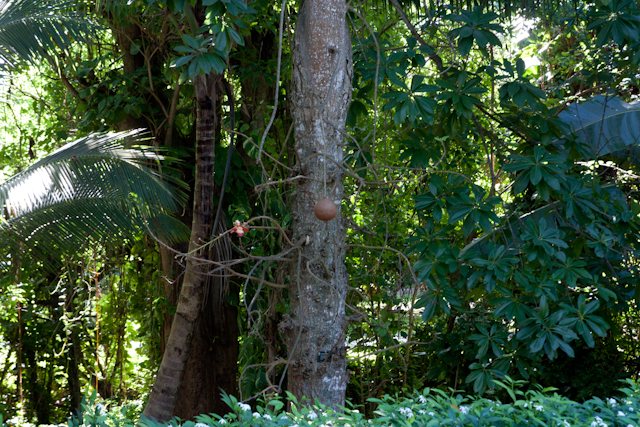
{"x":165,"y":390}
{"x":73,"y":362}
{"x":321,"y":93}
{"x":213,"y":362}
{"x":171,"y":281}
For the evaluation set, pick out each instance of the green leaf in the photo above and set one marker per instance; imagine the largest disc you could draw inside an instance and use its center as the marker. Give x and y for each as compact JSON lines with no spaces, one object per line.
{"x":458,"y":212}
{"x":521,"y":183}
{"x":480,"y":37}
{"x":221,"y":41}
{"x":465,"y":45}
{"x":135,"y":48}
{"x":401,"y":112}
{"x":182,"y":60}
{"x":519,"y":98}
{"x":426,"y":104}
{"x":520,"y":68}
{"x":215,"y":61}
{"x":184,"y":49}
{"x":190,"y":41}
{"x":429,"y":310}
{"x":235,"y":36}
{"x":465,"y":31}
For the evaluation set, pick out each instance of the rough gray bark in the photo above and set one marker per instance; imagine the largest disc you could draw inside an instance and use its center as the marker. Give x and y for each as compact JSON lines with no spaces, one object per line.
{"x":321,"y":93}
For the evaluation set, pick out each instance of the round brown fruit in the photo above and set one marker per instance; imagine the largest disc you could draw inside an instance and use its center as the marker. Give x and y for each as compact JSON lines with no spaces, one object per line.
{"x":325,"y":209}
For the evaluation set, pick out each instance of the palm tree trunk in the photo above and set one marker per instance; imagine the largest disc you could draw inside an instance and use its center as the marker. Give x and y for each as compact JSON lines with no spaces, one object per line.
{"x":321,"y":93}
{"x":165,"y":390}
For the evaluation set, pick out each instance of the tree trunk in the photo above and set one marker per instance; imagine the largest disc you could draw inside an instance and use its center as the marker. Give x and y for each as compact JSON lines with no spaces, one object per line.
{"x":165,"y":390}
{"x":40,"y":395}
{"x":321,"y":93}
{"x":213,"y":363}
{"x":73,"y":362}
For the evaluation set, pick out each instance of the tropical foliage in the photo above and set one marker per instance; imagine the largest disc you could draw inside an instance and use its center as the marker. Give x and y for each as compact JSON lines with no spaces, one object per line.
{"x":92,"y":189}
{"x":491,"y":208}
{"x":429,"y":407}
{"x":31,"y":29}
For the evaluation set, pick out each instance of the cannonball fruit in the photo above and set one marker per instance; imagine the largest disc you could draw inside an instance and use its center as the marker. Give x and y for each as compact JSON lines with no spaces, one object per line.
{"x":325,"y":209}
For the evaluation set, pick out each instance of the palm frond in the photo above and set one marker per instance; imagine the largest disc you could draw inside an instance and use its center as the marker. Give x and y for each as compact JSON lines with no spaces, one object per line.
{"x":92,"y":189}
{"x":29,"y":29}
{"x":69,"y":226}
{"x":607,"y":125}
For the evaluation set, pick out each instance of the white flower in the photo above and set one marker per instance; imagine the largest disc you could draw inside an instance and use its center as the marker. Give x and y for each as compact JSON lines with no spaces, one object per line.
{"x":598,"y":422}
{"x":407,"y":412}
{"x":465,"y":409}
{"x":538,"y":407}
{"x":312,"y":415}
{"x":266,"y":417}
{"x":621,"y":414}
{"x":201,"y":425}
{"x":256,"y":415}
{"x":629,"y":425}
{"x":100,"y":409}
{"x":431,"y":414}
{"x":630,"y":408}
{"x":611,"y":401}
{"x":526,"y":405}
{"x":566,"y":423}
{"x":422,"y":399}
{"x":422,"y":412}
{"x":244,"y":406}
{"x":491,"y":409}
{"x":222,"y":421}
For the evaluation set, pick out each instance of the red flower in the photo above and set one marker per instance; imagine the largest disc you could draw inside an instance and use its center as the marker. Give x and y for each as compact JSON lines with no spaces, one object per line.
{"x":239,"y":229}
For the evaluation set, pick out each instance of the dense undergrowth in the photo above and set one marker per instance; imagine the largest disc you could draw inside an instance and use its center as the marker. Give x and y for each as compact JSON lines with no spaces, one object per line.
{"x":432,"y":407}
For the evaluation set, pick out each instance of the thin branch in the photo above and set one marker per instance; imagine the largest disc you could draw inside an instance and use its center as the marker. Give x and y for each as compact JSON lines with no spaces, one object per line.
{"x":433,"y":56}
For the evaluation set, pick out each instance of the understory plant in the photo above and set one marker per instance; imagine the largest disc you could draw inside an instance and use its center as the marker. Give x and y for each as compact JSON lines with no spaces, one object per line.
{"x":431,"y":407}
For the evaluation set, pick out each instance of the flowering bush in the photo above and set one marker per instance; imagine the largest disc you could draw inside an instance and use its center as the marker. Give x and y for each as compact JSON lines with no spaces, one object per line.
{"x":437,"y":408}
{"x":430,"y":408}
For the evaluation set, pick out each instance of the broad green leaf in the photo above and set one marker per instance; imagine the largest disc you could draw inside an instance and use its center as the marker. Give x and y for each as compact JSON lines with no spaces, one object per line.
{"x":608,"y":125}
{"x":182,"y":60}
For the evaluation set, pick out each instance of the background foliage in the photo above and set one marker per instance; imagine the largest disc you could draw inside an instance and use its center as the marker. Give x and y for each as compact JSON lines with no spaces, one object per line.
{"x":492,"y":212}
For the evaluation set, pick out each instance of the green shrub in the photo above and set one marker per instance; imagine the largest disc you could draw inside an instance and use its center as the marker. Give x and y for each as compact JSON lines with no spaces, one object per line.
{"x":430,"y":408}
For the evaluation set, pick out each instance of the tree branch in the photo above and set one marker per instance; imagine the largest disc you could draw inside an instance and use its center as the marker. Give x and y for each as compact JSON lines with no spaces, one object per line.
{"x":433,"y":56}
